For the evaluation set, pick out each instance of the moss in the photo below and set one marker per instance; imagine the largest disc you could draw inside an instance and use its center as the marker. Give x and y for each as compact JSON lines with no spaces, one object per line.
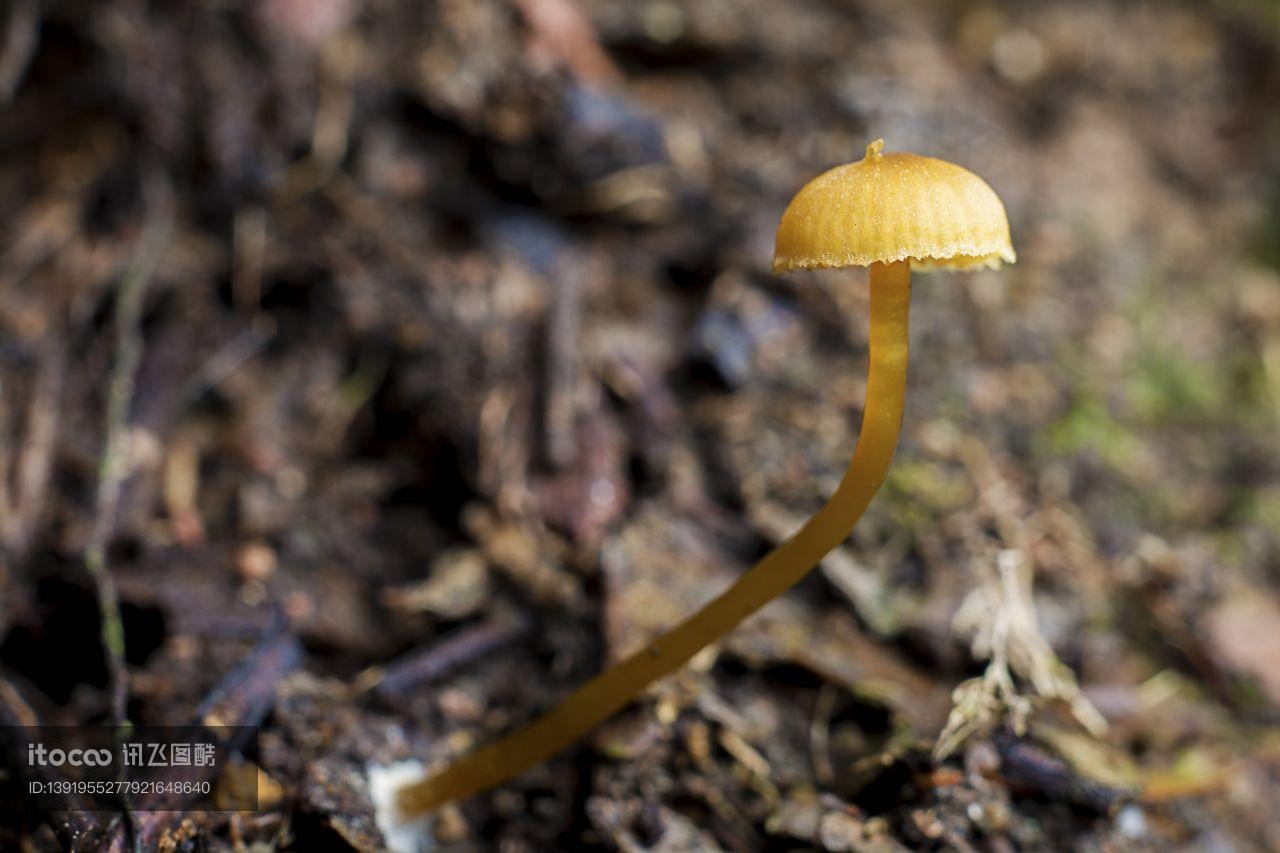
{"x":1265,"y":509}
{"x":928,"y":484}
{"x":1169,"y":385}
{"x":1167,"y":388}
{"x":1089,"y":425}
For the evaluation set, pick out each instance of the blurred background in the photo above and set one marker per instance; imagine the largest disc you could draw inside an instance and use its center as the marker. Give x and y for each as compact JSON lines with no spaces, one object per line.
{"x":404,"y":363}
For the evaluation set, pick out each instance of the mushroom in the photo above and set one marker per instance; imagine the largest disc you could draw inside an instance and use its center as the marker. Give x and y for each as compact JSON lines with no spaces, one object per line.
{"x":890,"y":212}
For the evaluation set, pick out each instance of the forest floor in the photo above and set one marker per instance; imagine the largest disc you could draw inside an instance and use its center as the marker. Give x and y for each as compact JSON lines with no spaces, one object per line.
{"x":461,"y":373}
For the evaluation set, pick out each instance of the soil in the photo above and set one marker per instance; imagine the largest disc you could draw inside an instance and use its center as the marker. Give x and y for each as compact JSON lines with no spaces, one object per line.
{"x":403,"y":364}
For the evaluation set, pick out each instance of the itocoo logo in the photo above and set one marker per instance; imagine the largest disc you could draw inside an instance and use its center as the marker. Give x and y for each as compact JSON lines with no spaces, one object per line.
{"x":39,"y":756}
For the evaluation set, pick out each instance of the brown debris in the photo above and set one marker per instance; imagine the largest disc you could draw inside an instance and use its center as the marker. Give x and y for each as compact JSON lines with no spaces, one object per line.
{"x":462,"y":373}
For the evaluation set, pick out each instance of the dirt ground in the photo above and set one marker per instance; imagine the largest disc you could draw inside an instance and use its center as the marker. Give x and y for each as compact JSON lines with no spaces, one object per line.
{"x":404,"y":363}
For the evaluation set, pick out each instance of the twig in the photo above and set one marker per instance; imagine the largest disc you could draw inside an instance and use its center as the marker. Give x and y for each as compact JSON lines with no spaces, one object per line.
{"x":113,"y":467}
{"x":20,"y":39}
{"x":240,"y":701}
{"x":35,"y":460}
{"x":235,"y":352}
{"x":459,"y":648}
{"x":245,"y":696}
{"x":1026,"y":766}
{"x":820,"y":735}
{"x":564,"y":360}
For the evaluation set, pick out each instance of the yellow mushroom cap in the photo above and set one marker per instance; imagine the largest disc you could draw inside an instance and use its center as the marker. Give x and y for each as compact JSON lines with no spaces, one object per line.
{"x":894,"y":207}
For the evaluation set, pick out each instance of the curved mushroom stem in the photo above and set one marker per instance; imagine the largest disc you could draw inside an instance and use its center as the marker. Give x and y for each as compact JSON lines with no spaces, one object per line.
{"x":781,"y":569}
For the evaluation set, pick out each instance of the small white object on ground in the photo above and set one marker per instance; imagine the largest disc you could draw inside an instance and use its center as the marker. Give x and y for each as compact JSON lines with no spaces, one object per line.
{"x":1131,"y":822}
{"x":412,"y":835}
